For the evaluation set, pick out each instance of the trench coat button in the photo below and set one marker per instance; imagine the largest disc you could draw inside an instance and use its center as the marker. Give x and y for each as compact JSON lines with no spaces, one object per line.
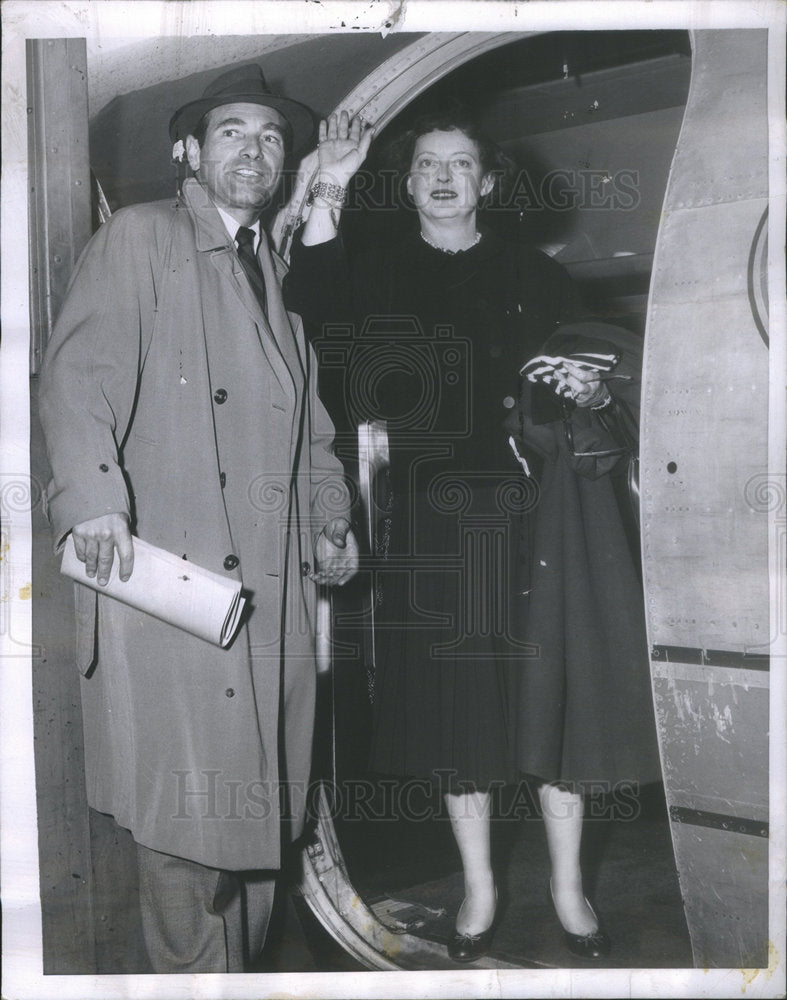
{"x":220,"y":395}
{"x":509,"y":402}
{"x":104,"y":467}
{"x":305,"y":569}
{"x":223,"y":479}
{"x":231,"y":562}
{"x":230,"y":693}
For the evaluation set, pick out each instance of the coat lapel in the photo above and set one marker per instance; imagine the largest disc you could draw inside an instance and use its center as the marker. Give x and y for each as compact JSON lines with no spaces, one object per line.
{"x":212,"y":238}
{"x":278,"y":318}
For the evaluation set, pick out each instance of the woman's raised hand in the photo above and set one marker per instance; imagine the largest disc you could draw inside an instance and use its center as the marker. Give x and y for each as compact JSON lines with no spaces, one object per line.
{"x":343,"y":146}
{"x":342,"y":149}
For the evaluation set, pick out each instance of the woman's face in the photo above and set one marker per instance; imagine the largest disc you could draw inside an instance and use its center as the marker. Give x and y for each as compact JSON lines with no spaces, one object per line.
{"x":446,"y":179}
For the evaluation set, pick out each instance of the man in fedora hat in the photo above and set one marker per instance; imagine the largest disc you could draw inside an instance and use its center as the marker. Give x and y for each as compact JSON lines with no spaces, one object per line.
{"x":179,"y":406}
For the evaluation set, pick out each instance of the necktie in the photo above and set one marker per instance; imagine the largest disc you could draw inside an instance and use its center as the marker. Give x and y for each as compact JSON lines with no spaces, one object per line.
{"x":245,"y":240}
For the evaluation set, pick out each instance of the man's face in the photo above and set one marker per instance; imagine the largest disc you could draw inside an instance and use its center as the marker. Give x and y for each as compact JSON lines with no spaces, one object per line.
{"x":240,"y":162}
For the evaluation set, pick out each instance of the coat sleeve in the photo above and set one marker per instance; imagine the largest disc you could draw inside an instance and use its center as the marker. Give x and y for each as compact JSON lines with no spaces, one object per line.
{"x":329,"y":496}
{"x":329,"y":493}
{"x":317,"y":285}
{"x":90,"y":374}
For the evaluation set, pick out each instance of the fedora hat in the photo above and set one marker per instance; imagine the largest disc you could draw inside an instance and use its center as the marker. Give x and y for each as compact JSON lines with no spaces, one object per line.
{"x":244,"y":84}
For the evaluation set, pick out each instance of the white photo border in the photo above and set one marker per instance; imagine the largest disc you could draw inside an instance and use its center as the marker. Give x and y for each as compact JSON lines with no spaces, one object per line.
{"x":19,"y":876}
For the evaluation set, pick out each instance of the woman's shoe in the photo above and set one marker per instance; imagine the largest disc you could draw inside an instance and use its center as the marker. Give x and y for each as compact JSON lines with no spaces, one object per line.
{"x":593,"y":946}
{"x":469,"y":947}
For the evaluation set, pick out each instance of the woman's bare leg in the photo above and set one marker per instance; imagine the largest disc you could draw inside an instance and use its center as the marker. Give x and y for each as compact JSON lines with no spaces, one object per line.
{"x":470,"y":815}
{"x":563,"y":811}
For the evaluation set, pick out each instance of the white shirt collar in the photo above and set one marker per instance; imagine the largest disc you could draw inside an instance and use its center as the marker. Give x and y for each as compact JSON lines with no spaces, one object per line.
{"x":232,"y":227}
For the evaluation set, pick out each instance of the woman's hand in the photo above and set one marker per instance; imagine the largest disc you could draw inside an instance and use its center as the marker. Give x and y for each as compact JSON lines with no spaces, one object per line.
{"x":585,"y":386}
{"x":342,"y":148}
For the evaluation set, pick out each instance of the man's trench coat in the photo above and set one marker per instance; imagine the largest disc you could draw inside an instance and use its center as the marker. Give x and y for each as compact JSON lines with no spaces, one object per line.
{"x":167,"y":395}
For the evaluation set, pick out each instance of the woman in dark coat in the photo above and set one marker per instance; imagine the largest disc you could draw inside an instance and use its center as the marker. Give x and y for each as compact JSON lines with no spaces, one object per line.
{"x":585,"y":717}
{"x":442,"y":322}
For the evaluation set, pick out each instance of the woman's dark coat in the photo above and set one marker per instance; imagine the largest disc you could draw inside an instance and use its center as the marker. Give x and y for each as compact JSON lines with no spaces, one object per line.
{"x":585,"y":710}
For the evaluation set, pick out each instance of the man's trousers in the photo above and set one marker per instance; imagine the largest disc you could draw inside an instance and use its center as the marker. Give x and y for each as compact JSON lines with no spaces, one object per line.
{"x":200,"y":919}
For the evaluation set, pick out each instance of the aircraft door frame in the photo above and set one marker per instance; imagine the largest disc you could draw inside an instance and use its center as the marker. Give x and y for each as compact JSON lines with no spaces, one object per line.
{"x":325,"y":883}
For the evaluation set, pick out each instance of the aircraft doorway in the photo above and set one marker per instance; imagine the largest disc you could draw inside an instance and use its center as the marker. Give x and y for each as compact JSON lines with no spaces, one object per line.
{"x":591,"y":120}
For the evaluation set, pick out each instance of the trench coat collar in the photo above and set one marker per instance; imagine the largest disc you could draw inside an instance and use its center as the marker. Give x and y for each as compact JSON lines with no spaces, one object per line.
{"x":210,"y":231}
{"x":275,"y":331}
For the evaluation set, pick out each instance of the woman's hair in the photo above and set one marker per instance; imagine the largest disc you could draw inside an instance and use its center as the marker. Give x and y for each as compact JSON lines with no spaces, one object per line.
{"x":450,"y":118}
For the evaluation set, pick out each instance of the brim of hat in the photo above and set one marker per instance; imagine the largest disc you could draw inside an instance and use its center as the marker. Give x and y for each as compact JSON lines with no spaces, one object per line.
{"x":298,"y":116}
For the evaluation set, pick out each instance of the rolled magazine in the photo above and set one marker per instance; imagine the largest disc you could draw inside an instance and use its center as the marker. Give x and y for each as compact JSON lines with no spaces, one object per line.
{"x":172,"y":589}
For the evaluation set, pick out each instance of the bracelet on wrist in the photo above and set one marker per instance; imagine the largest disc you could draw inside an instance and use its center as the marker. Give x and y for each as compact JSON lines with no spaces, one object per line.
{"x":332,"y":194}
{"x":604,"y":402}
